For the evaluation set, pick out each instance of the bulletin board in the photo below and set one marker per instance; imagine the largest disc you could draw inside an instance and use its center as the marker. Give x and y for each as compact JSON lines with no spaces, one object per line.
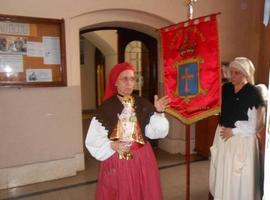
{"x":32,"y":52}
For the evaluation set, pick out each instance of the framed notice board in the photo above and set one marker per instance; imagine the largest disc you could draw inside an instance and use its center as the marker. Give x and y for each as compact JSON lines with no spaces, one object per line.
{"x":32,"y":52}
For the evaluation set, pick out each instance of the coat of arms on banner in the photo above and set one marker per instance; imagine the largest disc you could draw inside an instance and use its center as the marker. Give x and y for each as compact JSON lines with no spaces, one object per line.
{"x":192,"y":73}
{"x":188,"y":79}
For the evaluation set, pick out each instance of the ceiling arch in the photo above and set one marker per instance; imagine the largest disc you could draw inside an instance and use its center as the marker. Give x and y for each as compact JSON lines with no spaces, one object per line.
{"x":123,"y":18}
{"x":138,"y":20}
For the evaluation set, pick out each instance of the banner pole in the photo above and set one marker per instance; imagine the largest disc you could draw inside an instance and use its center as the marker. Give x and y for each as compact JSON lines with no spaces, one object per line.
{"x":187,"y":162}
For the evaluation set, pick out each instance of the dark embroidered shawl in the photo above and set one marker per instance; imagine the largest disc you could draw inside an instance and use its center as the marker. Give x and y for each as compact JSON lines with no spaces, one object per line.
{"x":106,"y":114}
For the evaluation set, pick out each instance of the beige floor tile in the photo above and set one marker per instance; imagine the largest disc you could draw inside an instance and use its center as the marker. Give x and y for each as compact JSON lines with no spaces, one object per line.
{"x":82,"y":186}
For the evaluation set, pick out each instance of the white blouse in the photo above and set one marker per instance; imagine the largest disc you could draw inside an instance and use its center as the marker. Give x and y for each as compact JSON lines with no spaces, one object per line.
{"x":249,"y":127}
{"x":99,"y":145}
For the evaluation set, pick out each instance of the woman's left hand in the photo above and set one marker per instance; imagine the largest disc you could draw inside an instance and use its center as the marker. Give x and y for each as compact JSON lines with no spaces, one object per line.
{"x":226,"y":133}
{"x":161,"y":103}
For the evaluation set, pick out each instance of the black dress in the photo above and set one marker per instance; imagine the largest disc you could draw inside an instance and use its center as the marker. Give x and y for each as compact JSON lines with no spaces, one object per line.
{"x":234,"y":167}
{"x":235,"y":105}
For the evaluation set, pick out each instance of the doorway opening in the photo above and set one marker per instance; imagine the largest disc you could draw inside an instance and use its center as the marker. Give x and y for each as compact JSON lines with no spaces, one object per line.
{"x":100,"y":49}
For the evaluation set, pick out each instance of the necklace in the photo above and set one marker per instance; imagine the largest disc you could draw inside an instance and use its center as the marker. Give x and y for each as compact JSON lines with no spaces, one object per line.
{"x":120,"y":95}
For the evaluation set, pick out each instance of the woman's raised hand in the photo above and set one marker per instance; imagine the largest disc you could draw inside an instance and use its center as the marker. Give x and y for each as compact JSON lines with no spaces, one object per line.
{"x":161,"y":103}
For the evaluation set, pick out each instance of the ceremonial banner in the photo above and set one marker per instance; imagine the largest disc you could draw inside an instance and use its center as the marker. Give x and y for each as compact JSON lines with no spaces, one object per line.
{"x":192,"y":73}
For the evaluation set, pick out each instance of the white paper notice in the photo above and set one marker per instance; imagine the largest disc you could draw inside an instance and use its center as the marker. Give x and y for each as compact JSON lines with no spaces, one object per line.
{"x":11,"y":63}
{"x":51,"y":50}
{"x":11,"y":28}
{"x":38,"y":75}
{"x":34,"y":49}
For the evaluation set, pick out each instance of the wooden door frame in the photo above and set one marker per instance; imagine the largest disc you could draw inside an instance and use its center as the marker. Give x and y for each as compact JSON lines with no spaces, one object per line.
{"x":125,"y":36}
{"x":99,"y":60}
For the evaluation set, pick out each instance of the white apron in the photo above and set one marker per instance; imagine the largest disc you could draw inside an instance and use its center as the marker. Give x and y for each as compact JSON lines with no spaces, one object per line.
{"x":234,"y":168}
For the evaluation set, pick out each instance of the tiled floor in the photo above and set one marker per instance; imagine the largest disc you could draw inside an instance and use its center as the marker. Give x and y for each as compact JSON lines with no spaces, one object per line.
{"x":82,"y":186}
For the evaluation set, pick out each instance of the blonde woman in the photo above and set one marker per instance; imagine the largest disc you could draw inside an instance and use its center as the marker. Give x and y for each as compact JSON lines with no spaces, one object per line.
{"x":234,"y":168}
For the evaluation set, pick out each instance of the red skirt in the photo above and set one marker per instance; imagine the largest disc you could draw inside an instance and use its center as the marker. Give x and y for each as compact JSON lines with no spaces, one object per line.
{"x":135,"y":179}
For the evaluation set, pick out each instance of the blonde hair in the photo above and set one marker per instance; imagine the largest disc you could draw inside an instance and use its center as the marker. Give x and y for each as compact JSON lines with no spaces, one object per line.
{"x":245,"y":66}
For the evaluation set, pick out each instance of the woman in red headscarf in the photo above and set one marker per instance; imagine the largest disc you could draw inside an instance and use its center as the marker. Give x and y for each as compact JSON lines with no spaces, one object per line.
{"x":118,"y":137}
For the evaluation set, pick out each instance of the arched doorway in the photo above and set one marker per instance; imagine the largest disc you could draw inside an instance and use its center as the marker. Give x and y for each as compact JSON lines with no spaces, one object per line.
{"x":133,"y":21}
{"x":98,"y":48}
{"x":141,"y":50}
{"x":122,"y":45}
{"x":123,"y":20}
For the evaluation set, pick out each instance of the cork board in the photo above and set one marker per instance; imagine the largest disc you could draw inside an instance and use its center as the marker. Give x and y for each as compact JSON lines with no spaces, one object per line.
{"x":32,"y":52}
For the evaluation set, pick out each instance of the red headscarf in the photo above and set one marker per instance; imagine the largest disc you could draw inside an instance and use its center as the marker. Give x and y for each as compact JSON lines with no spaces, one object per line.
{"x":114,"y":73}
